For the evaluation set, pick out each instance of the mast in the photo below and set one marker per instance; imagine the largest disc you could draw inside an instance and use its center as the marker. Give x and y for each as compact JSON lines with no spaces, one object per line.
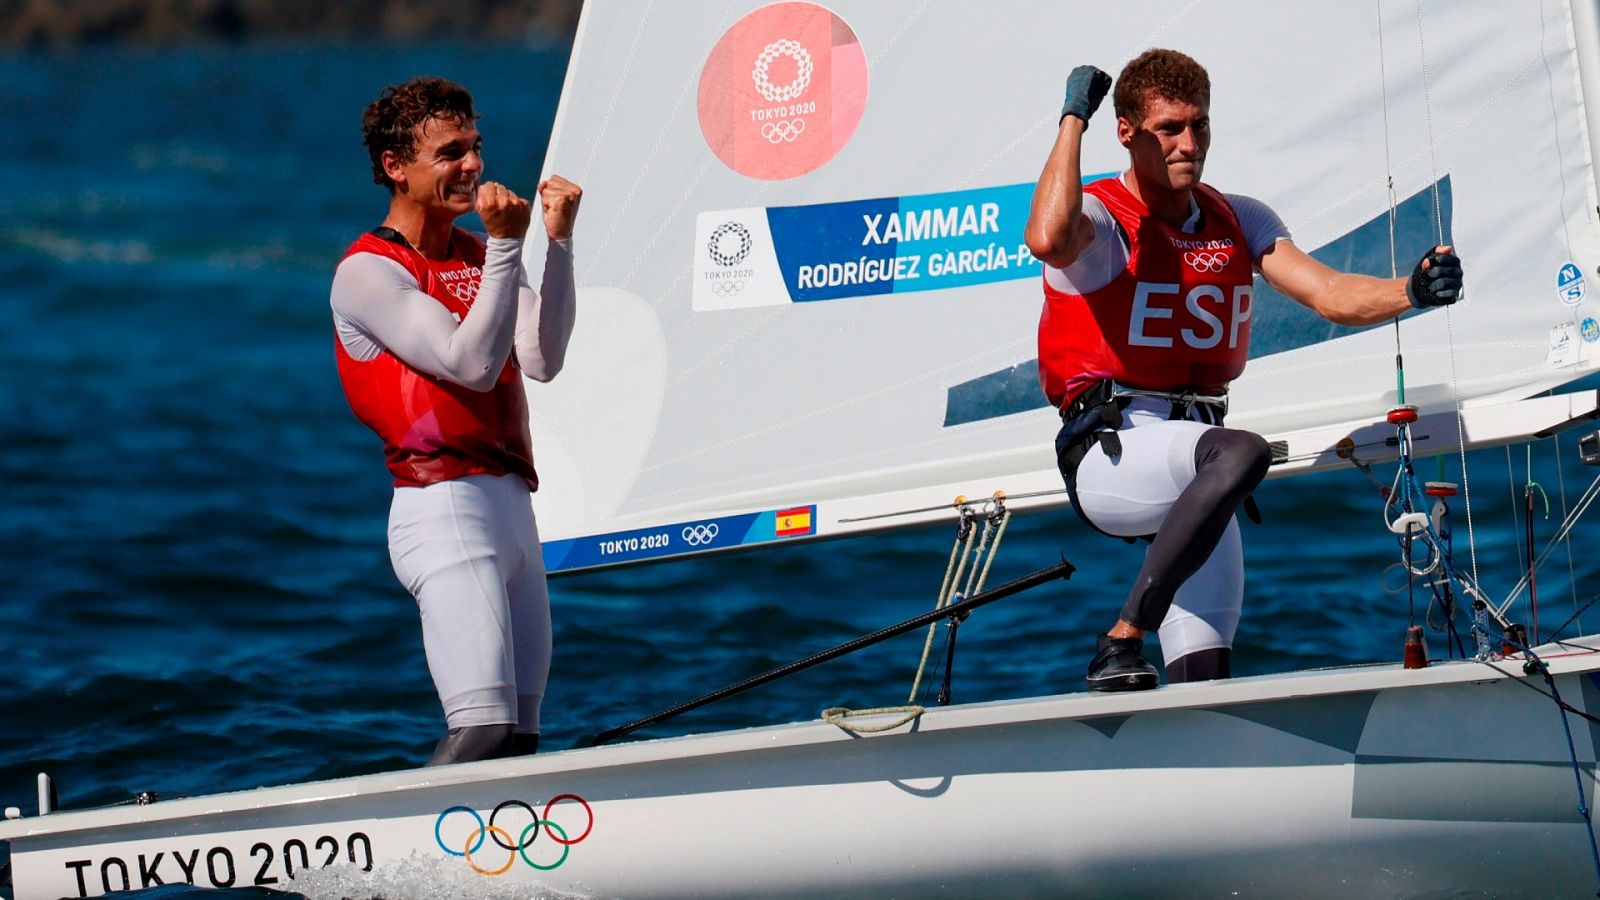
{"x":1586,"y":38}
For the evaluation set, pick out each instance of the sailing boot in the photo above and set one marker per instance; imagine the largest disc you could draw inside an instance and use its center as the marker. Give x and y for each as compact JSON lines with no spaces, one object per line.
{"x":471,"y":743}
{"x":1117,"y":666}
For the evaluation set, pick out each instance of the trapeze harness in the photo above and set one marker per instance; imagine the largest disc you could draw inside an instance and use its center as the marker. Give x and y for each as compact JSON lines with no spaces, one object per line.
{"x":1174,"y":326}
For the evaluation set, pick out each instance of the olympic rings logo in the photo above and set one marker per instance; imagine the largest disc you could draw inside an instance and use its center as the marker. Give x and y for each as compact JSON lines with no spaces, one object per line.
{"x":465,"y":291}
{"x":727,"y":288}
{"x":700,"y":534}
{"x":1206,"y":261}
{"x":518,"y":846}
{"x":718,"y":250}
{"x":802,"y":74}
{"x":785,"y":130}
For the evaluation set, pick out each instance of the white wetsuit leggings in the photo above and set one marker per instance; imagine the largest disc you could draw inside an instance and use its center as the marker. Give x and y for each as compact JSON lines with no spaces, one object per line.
{"x":1131,"y":495}
{"x":468,"y":550}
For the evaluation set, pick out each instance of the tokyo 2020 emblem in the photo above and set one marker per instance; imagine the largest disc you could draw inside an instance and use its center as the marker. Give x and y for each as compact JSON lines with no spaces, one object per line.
{"x":782,"y":91}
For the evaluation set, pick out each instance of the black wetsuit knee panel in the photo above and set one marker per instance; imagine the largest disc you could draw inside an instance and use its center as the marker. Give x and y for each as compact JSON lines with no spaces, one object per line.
{"x":1243,"y":456}
{"x":1201,"y":665}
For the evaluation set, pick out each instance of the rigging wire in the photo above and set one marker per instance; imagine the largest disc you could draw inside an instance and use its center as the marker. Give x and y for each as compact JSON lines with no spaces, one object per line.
{"x":1409,"y":523}
{"x":1533,"y":664}
{"x":1590,"y":494}
{"x":1555,"y":635}
{"x":1572,"y":571}
{"x":1566,"y":710}
{"x":1449,"y":319}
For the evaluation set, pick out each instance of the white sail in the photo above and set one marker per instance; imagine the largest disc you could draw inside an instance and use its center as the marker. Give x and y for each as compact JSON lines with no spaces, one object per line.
{"x":804,"y":299}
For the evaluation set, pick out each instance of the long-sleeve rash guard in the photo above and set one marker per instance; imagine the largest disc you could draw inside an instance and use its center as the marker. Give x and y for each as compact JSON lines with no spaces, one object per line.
{"x":378,"y":306}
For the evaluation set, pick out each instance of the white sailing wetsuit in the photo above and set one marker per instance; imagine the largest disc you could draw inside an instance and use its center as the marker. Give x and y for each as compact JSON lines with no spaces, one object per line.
{"x":1132,"y":494}
{"x":462,"y":536}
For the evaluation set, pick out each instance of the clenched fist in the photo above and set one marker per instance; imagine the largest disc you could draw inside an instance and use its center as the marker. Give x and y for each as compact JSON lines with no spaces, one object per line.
{"x":559,"y":197}
{"x":504,"y":214}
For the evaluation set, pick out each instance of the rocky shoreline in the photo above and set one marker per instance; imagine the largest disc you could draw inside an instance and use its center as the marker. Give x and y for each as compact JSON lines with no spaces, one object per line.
{"x":56,"y":24}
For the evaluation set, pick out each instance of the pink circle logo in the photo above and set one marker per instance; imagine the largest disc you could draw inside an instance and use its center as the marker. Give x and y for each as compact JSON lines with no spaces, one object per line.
{"x":783,"y":91}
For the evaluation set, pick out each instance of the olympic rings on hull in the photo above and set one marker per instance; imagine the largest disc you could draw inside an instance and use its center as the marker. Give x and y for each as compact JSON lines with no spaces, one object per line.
{"x":472,"y":848}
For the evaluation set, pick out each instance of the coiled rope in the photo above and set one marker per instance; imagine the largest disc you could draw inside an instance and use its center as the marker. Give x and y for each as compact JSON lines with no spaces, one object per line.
{"x":971,"y":555}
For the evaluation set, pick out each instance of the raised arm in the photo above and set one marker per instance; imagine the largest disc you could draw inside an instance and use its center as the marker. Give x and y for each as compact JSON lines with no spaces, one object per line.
{"x":1057,"y":231}
{"x":1346,"y":298}
{"x":377,"y":306}
{"x":545,"y":318}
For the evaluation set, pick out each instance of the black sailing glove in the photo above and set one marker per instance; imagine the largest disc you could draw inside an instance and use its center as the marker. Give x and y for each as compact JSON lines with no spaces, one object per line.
{"x":1436,"y":281}
{"x":1086,"y":87}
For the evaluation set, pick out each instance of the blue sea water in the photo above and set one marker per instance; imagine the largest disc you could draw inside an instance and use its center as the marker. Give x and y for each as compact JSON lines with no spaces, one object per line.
{"x":195,"y":594}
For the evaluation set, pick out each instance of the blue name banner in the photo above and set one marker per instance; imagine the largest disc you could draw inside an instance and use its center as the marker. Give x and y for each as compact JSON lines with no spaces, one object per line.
{"x":896,"y":245}
{"x":772,"y":256}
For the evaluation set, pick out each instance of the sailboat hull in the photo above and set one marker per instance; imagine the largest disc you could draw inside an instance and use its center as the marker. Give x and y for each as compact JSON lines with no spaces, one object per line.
{"x":1349,"y":782}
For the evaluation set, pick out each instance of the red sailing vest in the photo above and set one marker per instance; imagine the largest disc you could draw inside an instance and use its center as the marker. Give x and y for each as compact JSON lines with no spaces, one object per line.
{"x":434,"y":430}
{"x":1177,"y":318}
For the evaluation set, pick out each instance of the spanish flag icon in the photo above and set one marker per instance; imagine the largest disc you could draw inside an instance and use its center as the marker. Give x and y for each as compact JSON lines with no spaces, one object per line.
{"x":795,"y":521}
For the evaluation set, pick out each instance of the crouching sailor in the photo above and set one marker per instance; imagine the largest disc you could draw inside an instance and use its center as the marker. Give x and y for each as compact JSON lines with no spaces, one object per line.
{"x":1146,"y":320}
{"x":434,"y":329}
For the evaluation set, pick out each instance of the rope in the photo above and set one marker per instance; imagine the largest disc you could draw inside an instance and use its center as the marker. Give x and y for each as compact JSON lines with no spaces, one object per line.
{"x":964,"y":530}
{"x":1590,"y":494}
{"x":962,"y":555}
{"x":839,"y":716}
{"x":1572,"y":572}
{"x":1004,"y":517}
{"x":1535,"y":664}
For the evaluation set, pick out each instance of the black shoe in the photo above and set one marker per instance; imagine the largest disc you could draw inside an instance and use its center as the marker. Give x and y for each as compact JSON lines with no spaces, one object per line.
{"x":1117,"y":666}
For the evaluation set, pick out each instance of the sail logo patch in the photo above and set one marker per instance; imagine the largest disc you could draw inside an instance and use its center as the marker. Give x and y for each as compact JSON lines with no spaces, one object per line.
{"x":1570,"y":286}
{"x":1590,"y":329}
{"x":782,"y":91}
{"x":1563,"y":346}
{"x":729,"y":244}
{"x":733,"y":254}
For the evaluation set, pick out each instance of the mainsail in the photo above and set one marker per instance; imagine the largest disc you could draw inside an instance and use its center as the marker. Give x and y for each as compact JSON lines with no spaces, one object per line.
{"x":806,"y":308}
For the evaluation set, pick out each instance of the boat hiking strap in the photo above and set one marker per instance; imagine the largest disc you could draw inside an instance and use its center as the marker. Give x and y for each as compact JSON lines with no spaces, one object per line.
{"x":971,"y":555}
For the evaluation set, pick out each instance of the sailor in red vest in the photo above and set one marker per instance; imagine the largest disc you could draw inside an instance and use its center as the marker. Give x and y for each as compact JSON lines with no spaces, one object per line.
{"x":434,"y":329}
{"x":1148,"y":301}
